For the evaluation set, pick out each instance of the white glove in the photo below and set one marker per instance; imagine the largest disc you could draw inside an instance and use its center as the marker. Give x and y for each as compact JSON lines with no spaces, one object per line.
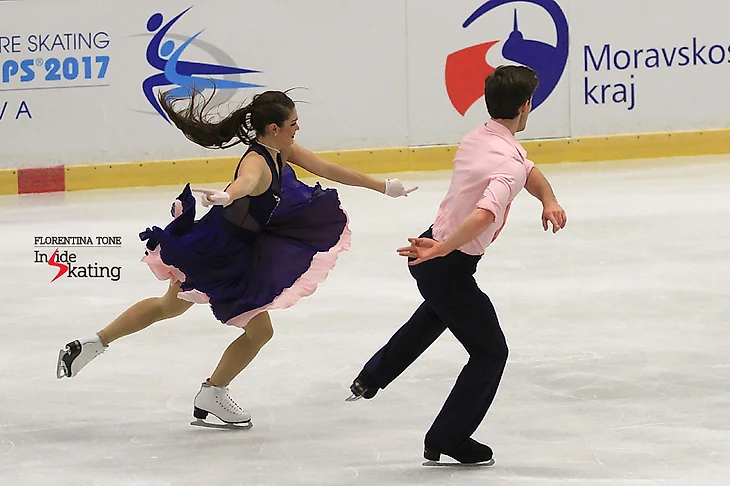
{"x":211,"y":197}
{"x":395,"y":188}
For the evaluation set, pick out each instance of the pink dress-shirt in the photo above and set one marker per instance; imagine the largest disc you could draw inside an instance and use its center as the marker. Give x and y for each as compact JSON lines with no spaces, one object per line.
{"x":490,"y":169}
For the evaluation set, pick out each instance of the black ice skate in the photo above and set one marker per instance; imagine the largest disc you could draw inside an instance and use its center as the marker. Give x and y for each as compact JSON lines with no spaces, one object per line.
{"x":362,"y":388}
{"x":469,"y":453}
{"x":216,"y":401}
{"x":77,"y":354}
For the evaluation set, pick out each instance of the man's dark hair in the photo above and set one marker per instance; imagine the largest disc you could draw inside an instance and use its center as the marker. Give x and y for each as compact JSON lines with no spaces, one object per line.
{"x":508,"y":88}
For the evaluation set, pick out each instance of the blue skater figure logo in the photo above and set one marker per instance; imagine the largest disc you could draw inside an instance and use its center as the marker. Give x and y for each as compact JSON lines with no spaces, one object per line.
{"x":175,"y":72}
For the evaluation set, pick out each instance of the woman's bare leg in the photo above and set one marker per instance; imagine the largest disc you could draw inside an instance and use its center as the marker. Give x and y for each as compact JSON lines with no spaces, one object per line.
{"x":243,"y":350}
{"x":144,"y":313}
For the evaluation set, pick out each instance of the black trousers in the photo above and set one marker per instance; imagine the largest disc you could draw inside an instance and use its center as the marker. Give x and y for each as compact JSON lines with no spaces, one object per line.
{"x":452,"y":300}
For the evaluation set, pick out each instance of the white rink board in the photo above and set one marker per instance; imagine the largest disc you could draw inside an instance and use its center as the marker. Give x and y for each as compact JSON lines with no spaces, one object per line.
{"x":384,"y":73}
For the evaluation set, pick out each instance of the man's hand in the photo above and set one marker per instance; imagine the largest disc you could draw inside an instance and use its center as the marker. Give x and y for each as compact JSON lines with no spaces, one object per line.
{"x":555,"y":214}
{"x":421,"y":250}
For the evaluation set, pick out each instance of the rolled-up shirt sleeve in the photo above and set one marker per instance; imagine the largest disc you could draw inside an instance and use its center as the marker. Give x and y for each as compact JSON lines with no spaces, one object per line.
{"x":501,"y":188}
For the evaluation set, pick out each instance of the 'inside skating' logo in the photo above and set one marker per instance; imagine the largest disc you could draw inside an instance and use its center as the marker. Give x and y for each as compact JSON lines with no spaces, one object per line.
{"x":467,"y":68}
{"x":187,"y":76}
{"x":64,"y":258}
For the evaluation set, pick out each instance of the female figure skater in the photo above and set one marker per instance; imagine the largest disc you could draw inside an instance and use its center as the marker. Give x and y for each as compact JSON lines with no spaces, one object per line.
{"x":267,"y":241}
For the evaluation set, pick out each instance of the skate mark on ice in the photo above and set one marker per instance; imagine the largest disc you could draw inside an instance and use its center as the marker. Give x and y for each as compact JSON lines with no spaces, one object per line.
{"x":6,"y":444}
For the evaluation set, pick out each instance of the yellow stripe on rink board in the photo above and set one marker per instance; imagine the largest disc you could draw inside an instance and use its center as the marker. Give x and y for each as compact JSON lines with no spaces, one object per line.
{"x":371,"y":161}
{"x":651,"y":145}
{"x":588,"y":149}
{"x":379,"y":161}
{"x":432,"y":158}
{"x":627,"y":147}
{"x":8,"y":181}
{"x":135,"y":174}
{"x":383,"y":161}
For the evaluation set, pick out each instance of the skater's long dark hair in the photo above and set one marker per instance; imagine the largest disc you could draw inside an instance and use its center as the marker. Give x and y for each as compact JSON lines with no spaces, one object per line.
{"x":241,"y":126}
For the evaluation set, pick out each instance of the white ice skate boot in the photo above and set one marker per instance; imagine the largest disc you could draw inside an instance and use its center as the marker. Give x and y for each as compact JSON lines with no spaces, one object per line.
{"x":78,"y":354}
{"x":216,"y":400}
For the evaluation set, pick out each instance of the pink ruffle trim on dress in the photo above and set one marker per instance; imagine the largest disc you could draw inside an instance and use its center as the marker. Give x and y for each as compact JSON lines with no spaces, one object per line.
{"x":161,"y":270}
{"x":306,"y":284}
{"x":167,"y":272}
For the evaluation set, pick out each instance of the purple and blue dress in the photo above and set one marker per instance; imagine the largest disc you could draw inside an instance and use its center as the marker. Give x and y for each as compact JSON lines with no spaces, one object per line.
{"x":259,"y":253}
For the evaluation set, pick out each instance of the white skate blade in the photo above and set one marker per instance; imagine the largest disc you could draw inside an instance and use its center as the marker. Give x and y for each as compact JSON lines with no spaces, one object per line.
{"x":61,"y":370}
{"x":458,"y":464}
{"x":224,"y":426}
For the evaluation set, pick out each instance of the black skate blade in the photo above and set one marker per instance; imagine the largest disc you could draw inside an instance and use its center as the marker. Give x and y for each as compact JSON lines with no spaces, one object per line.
{"x":62,"y":370}
{"x":353,"y":398}
{"x":224,"y":426}
{"x":458,"y":464}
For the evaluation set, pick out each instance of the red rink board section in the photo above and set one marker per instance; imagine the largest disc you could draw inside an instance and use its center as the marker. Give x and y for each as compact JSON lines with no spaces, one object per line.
{"x":43,"y":179}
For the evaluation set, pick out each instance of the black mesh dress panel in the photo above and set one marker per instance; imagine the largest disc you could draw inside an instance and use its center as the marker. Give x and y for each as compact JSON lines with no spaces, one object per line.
{"x":253,"y":212}
{"x":238,"y":214}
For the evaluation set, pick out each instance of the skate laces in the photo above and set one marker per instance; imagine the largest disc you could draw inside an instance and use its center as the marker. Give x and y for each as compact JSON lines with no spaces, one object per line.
{"x":229,"y":401}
